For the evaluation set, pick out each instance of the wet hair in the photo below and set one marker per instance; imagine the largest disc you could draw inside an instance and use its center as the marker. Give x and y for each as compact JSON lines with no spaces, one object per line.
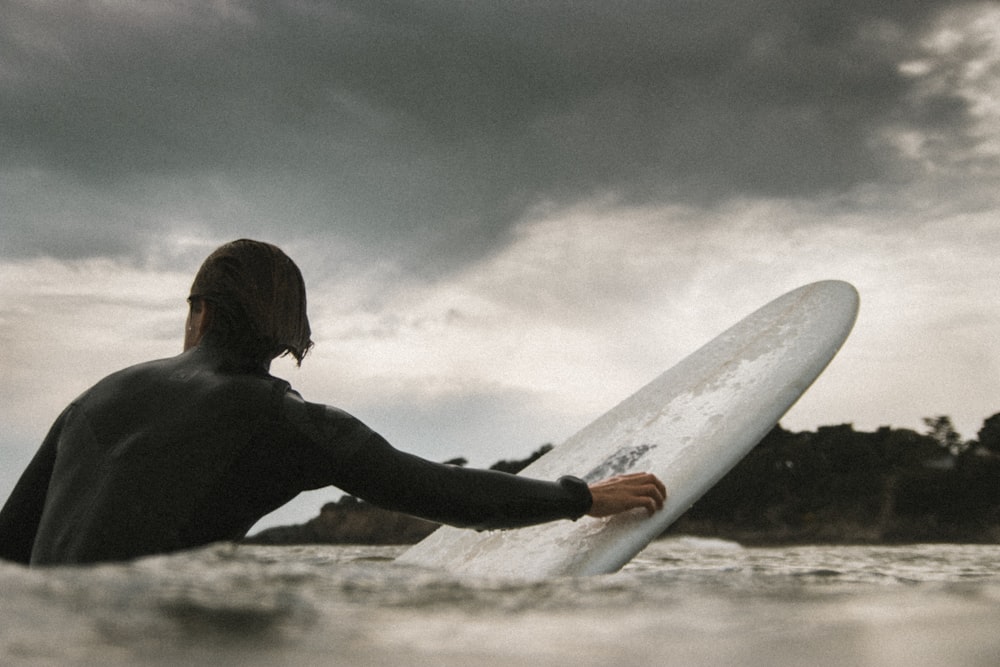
{"x":258,"y":301}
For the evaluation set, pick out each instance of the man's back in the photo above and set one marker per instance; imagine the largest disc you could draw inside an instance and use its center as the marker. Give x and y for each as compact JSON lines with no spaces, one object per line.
{"x":135,"y":458}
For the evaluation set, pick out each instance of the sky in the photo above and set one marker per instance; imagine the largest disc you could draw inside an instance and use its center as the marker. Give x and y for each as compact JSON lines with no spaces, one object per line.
{"x":510,"y":216}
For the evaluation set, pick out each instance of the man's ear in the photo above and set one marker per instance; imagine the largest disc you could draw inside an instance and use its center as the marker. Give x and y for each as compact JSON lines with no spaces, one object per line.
{"x":203,"y":323}
{"x":198,"y":321}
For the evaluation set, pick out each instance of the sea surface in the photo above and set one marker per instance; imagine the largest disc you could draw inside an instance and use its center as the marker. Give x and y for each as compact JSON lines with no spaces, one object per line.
{"x":682,"y":601}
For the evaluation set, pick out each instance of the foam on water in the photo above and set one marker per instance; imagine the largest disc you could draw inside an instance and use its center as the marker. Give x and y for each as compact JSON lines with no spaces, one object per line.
{"x":681,"y":601}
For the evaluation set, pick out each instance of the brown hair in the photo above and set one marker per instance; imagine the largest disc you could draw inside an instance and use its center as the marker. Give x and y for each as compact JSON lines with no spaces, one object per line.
{"x":258,"y":298}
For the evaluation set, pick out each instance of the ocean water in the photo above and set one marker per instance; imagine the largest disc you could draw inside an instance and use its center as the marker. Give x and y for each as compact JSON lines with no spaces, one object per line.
{"x":682,"y":601}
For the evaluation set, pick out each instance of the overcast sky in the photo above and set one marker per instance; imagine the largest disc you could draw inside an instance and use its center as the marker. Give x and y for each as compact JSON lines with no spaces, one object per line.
{"x":510,"y":215}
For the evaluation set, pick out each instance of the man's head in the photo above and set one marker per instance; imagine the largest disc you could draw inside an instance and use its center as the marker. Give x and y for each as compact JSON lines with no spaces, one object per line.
{"x":249,"y":297}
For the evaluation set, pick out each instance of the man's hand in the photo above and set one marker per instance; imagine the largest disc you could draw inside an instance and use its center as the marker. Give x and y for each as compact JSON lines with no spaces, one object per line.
{"x":626,"y":492}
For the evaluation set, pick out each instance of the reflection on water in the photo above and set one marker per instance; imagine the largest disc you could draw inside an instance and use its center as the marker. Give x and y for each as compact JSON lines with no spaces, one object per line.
{"x":681,"y":601}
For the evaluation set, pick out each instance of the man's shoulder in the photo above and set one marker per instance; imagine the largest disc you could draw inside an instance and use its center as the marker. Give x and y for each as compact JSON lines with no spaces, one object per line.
{"x":143,"y":371}
{"x":185,"y":372}
{"x":119,"y":379}
{"x":181,"y":386}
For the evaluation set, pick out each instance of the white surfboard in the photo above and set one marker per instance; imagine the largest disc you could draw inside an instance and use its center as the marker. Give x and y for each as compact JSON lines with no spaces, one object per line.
{"x":689,"y":426}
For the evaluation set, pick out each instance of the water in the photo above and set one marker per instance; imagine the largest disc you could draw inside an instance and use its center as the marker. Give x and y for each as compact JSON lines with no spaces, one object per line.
{"x":682,"y":601}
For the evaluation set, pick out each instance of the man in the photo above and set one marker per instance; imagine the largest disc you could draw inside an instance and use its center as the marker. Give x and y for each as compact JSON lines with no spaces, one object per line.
{"x":181,"y":452}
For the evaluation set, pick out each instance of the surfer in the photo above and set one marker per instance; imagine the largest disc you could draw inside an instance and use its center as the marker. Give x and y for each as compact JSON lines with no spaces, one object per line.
{"x":181,"y":452}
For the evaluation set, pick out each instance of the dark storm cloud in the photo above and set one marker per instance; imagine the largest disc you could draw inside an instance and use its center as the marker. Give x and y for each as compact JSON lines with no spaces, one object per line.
{"x":433,"y":124}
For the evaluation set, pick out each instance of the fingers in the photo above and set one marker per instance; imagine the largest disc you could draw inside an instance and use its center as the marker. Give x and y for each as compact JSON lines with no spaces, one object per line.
{"x":642,"y":478}
{"x":657,"y":491}
{"x":646,"y":487}
{"x":627,"y":492}
{"x":654,"y":495}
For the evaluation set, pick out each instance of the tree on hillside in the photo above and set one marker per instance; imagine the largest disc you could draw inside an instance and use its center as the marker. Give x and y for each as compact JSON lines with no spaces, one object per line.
{"x":989,"y":434}
{"x":941,"y":429}
{"x":516,"y":466}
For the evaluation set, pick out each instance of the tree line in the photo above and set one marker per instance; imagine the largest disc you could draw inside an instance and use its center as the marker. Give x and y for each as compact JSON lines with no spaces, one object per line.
{"x":837,"y":484}
{"x":832,"y":485}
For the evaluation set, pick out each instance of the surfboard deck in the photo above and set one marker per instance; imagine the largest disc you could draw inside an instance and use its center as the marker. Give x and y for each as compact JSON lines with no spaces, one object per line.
{"x":689,"y":426}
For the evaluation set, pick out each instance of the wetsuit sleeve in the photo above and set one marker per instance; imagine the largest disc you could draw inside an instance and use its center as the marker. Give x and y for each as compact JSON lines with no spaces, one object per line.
{"x":465,"y":497}
{"x":22,"y":512}
{"x":360,"y":462}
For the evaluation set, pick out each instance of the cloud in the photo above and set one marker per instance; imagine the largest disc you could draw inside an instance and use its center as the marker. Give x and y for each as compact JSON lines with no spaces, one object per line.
{"x":528,"y":344}
{"x":587,"y":304}
{"x":429,"y":132}
{"x":510,"y":216}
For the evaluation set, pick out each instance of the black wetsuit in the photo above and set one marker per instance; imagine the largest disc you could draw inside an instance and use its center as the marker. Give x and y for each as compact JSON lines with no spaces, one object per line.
{"x":181,"y":452}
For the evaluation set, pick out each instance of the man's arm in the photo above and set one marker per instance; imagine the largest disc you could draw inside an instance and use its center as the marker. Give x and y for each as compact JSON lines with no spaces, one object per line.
{"x":463,"y":497}
{"x":361,"y":463}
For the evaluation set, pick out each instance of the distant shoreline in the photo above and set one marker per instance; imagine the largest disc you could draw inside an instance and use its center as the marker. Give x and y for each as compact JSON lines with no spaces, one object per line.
{"x":843,"y":535}
{"x":832,"y":486}
{"x":351,"y":521}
